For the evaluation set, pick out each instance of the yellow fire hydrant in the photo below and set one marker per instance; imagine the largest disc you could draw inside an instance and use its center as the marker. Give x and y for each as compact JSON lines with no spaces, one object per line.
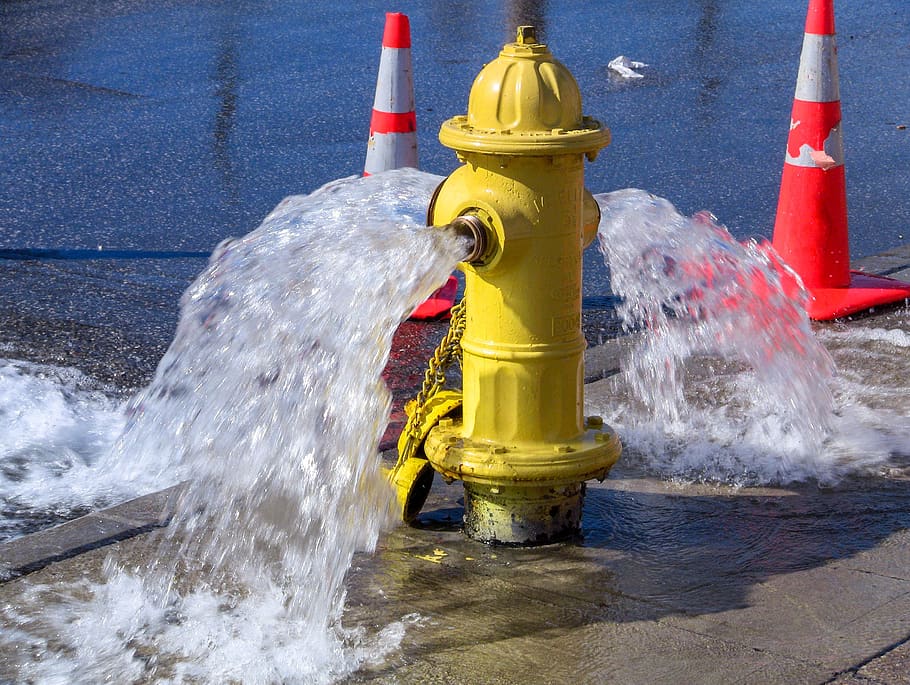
{"x":522,"y":447}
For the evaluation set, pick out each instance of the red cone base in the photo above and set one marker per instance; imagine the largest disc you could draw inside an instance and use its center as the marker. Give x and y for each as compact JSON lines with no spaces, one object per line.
{"x":864,"y":291}
{"x":439,"y":303}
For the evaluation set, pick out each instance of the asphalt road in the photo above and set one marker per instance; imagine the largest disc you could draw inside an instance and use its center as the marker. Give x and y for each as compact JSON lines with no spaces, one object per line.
{"x":165,"y":126}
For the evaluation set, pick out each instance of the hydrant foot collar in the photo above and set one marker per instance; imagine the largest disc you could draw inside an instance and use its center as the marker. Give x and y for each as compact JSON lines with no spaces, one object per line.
{"x":519,"y":516}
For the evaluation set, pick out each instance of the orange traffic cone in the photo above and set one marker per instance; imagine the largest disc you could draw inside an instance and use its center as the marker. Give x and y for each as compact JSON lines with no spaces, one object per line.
{"x":393,"y":126}
{"x":810,"y":231}
{"x":393,"y":131}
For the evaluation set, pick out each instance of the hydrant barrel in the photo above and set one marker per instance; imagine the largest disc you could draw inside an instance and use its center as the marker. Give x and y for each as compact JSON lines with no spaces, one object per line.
{"x":523,"y":345}
{"x":523,"y":447}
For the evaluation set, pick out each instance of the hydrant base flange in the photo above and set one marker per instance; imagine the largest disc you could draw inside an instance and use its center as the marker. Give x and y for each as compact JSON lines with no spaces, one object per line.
{"x":514,"y":515}
{"x":591,"y":455}
{"x":522,"y":495}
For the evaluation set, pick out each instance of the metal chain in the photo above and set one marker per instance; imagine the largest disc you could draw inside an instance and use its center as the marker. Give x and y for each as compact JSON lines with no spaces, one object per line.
{"x":447,"y":352}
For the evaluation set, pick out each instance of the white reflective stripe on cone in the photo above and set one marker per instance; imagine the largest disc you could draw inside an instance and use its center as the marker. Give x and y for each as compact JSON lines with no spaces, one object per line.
{"x":394,"y":86}
{"x":831,"y":155}
{"x":390,"y":151}
{"x":817,"y":80}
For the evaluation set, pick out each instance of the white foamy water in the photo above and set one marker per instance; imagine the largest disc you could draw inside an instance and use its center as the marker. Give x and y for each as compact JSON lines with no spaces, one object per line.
{"x":55,"y":425}
{"x":270,"y":403}
{"x":727,"y":382}
{"x":872,"y":395}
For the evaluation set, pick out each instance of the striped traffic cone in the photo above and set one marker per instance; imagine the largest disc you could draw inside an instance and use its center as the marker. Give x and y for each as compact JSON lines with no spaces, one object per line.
{"x":393,"y":132}
{"x":393,"y":126}
{"x":810,"y":231}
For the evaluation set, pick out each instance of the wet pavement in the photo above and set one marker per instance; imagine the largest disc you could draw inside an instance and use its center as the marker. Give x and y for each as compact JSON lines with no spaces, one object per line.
{"x":669,"y":582}
{"x":134,"y":136}
{"x":691,"y":585}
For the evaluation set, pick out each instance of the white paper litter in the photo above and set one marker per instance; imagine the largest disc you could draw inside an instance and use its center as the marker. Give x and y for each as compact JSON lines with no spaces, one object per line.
{"x":625,"y":67}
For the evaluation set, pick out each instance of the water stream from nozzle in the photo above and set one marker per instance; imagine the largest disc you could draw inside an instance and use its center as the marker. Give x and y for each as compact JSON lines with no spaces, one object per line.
{"x":726,"y":381}
{"x":271,"y":405}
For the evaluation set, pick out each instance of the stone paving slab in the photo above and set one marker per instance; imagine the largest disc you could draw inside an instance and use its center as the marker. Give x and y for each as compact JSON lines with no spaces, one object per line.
{"x":564,"y":606}
{"x":33,"y":552}
{"x":598,"y":652}
{"x":828,"y":616}
{"x":889,"y":669}
{"x":894,"y":263}
{"x":890,"y":558}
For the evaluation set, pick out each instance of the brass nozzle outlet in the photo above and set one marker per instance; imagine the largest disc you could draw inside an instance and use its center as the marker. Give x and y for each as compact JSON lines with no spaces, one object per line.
{"x":472,"y":228}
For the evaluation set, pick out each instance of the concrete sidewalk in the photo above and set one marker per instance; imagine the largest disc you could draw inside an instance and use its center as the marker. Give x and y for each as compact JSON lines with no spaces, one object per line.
{"x":670,"y":584}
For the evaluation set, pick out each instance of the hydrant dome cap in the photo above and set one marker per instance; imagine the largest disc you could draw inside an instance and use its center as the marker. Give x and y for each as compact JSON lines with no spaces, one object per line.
{"x":524,"y":101}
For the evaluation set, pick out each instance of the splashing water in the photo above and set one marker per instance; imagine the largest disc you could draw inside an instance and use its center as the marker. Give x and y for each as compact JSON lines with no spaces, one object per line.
{"x":270,"y":404}
{"x":53,"y":424}
{"x":872,"y":425}
{"x":731,"y":383}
